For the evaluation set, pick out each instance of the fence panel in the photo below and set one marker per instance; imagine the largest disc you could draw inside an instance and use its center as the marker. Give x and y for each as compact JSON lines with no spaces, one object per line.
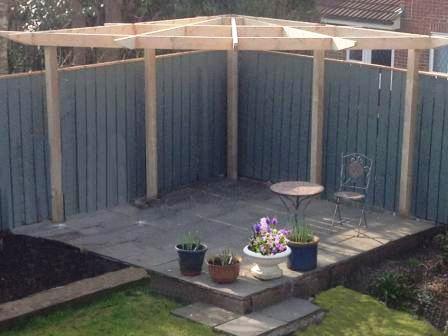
{"x":430,"y":188}
{"x":103,"y":133}
{"x":363,"y":113}
{"x":274,"y":116}
{"x":23,"y":150}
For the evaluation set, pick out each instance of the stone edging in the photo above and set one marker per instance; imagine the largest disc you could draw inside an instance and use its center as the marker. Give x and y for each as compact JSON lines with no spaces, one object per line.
{"x":70,"y":293}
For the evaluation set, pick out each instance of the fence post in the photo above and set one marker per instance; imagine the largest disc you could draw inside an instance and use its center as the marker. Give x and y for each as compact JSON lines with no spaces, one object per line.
{"x":54,"y":133}
{"x":152,"y":188}
{"x":317,"y":117}
{"x":407,"y":151}
{"x":232,"y":114}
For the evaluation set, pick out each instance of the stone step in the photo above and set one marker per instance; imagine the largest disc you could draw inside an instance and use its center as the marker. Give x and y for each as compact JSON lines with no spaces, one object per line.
{"x":280,"y":319}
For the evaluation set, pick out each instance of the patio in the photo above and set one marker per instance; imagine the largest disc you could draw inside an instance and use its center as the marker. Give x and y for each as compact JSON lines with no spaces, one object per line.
{"x":222,"y":212}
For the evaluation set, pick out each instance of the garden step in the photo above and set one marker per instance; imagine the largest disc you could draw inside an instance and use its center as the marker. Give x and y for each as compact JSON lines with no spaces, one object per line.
{"x":279,"y":319}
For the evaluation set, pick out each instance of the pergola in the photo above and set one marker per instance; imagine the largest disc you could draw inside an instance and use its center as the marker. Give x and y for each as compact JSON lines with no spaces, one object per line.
{"x":231,"y":33}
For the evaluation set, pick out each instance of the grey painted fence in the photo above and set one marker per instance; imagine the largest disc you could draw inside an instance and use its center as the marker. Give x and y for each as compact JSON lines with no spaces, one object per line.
{"x":274,"y":116}
{"x":430,"y":192}
{"x":363,"y":110}
{"x":103,"y":130}
{"x":103,"y":136}
{"x":363,"y":113}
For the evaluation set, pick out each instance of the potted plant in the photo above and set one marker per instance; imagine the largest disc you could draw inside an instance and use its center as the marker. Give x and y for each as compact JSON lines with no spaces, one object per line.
{"x":267,"y":248}
{"x":303,"y":244}
{"x":224,"y":267}
{"x":191,"y":254}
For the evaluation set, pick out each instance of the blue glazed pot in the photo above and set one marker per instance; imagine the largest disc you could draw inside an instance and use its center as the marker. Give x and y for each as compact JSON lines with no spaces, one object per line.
{"x":190,"y":262}
{"x":303,"y":256}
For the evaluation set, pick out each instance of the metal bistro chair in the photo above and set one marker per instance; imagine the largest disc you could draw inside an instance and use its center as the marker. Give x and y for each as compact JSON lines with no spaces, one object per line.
{"x":354,"y":184}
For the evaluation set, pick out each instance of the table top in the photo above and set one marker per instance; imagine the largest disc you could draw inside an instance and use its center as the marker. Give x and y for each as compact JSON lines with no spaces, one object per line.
{"x":297,"y":188}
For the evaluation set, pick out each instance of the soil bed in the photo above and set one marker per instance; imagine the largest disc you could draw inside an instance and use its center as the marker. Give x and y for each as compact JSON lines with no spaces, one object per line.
{"x":426,"y":274}
{"x":29,"y":265}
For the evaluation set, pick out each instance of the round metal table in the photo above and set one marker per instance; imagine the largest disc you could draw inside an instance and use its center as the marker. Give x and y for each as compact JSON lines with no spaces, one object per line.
{"x":296,"y":195}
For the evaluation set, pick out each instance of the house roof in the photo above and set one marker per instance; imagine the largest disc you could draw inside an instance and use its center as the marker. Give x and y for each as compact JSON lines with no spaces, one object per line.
{"x":373,"y":11}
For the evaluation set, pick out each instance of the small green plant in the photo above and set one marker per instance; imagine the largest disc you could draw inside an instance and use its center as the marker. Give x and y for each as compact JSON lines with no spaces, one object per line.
{"x":300,"y":232}
{"x":413,"y":262}
{"x":190,"y":242}
{"x":226,"y":257}
{"x":394,"y":289}
{"x":441,"y":241}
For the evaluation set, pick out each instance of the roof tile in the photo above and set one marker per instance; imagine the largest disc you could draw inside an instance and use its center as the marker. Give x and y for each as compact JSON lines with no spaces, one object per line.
{"x":378,"y":11}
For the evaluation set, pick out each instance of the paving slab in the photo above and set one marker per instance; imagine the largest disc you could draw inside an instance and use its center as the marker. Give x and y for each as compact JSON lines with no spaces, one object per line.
{"x":254,"y":324}
{"x":206,"y":314}
{"x":290,"y":310}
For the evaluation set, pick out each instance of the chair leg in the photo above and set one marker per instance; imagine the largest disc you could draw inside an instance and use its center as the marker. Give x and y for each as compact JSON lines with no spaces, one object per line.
{"x":337,"y":212}
{"x":362,"y":218}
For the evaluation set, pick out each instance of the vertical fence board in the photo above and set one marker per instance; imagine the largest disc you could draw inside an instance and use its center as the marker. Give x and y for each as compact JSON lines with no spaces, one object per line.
{"x":122,"y":191}
{"x":81,"y":139}
{"x":39,"y":148}
{"x":296,"y":71}
{"x":27,"y":138}
{"x":285,"y":143}
{"x":7,"y":209}
{"x":91,"y":140}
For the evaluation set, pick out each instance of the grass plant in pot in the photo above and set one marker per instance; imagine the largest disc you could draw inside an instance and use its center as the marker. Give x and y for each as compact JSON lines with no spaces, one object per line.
{"x":224,"y":267}
{"x":304,"y":247}
{"x":191,"y":254}
{"x":267,"y":249}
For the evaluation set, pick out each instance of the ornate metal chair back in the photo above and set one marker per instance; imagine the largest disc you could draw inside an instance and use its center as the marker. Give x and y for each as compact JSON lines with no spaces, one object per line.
{"x":356,"y":169}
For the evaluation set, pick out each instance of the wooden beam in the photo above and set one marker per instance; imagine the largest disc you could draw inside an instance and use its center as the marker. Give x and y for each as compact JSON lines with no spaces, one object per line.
{"x":393,"y":42}
{"x":232,"y":114}
{"x":68,"y":39}
{"x":317,"y":117}
{"x":152,"y":188}
{"x":234,"y":34}
{"x":409,"y":126}
{"x":131,"y":42}
{"x":337,"y":42}
{"x":54,"y":133}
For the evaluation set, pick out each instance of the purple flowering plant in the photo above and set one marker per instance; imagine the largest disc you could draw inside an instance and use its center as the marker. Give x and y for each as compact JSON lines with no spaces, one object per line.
{"x":267,"y":238}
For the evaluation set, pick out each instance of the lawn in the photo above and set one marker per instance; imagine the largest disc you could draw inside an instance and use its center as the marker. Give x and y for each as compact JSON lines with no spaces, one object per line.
{"x":132,"y":312}
{"x":353,"y":314}
{"x":137,"y":311}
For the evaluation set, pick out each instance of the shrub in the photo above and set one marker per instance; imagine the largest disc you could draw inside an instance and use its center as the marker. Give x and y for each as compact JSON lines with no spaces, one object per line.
{"x":394,"y":289}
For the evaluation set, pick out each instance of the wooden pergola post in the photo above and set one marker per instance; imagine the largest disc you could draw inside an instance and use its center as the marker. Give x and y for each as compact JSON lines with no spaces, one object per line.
{"x":317,"y":117}
{"x":232,"y":114}
{"x":409,"y":126}
{"x":54,"y":133}
{"x":151,"y":124}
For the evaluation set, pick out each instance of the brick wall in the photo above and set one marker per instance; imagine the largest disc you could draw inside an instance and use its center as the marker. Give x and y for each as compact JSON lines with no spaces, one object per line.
{"x":422,"y":17}
{"x":419,"y":17}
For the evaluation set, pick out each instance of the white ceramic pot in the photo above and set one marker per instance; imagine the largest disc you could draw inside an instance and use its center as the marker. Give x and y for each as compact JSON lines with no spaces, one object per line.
{"x":266,"y":267}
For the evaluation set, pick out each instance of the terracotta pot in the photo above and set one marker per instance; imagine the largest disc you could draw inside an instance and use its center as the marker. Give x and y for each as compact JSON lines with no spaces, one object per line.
{"x":224,"y":274}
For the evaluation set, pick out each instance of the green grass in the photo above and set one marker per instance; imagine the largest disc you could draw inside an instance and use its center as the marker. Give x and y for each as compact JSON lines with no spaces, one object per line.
{"x":137,"y":312}
{"x":353,"y":314}
{"x":131,"y":312}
